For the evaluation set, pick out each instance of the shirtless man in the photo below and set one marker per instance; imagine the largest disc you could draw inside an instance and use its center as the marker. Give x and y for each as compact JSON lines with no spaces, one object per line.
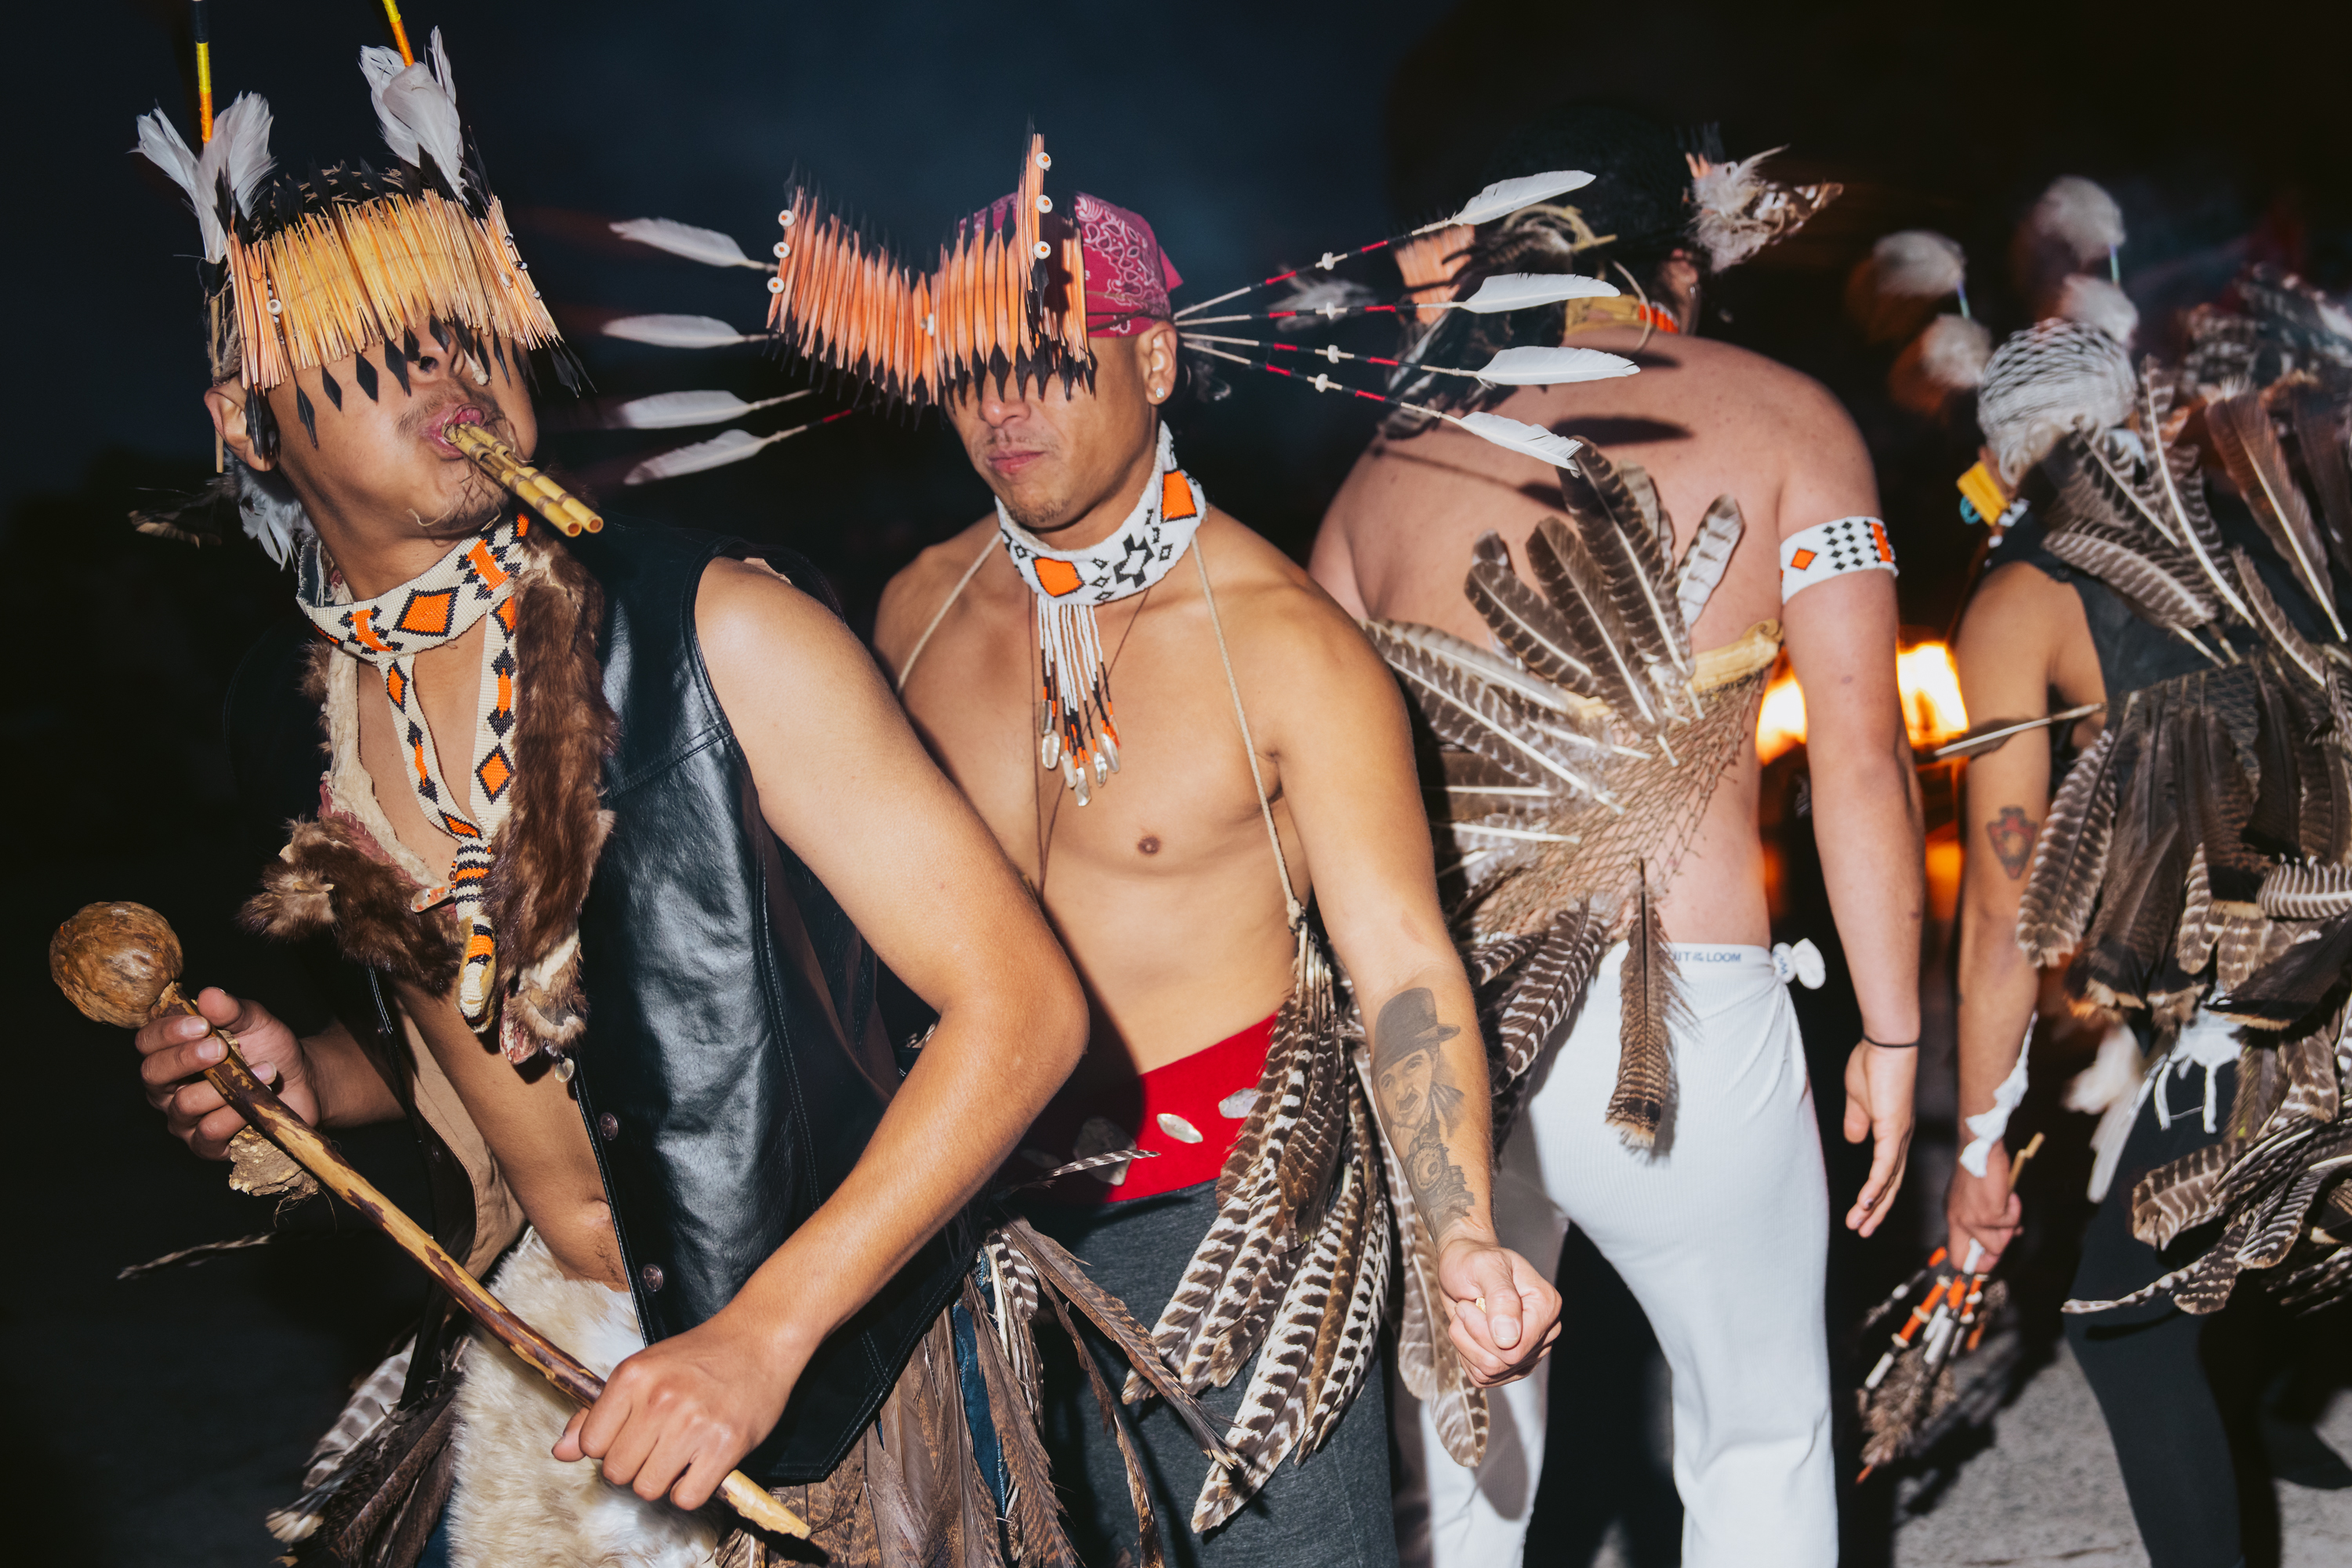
{"x":723,"y":1159}
{"x":1225,"y":662}
{"x":1723,"y":1238}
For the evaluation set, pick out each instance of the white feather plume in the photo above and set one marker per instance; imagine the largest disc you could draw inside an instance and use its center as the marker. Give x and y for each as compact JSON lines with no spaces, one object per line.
{"x":161,"y":143}
{"x":2095,"y":303}
{"x":416,"y":107}
{"x":678,"y":410}
{"x":1918,"y":263}
{"x":1534,"y":367}
{"x":1533,"y":440}
{"x":238,"y":153}
{"x":707,"y":245}
{"x":275,"y":522}
{"x":727,"y":446}
{"x":1504,"y":197}
{"x":675,"y":332}
{"x":1525,"y":291}
{"x":2079,"y":215}
{"x":1953,"y":351}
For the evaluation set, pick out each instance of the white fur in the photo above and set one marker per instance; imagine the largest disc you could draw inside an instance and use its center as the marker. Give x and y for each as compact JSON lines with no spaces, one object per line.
{"x":515,"y":1506}
{"x":2095,"y":303}
{"x":2078,"y":214}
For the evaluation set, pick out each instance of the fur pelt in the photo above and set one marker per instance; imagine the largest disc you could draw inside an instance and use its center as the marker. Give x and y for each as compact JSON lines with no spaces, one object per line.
{"x":333,"y":873}
{"x":515,"y":1506}
{"x":555,"y":828}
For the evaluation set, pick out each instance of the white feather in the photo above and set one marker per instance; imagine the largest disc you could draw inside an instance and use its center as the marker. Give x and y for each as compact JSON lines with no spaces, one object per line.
{"x":678,"y":410}
{"x":1504,"y":197}
{"x":1953,"y":351}
{"x":675,"y":332}
{"x":241,"y":143}
{"x":1552,"y":367}
{"x":416,"y":107}
{"x":2113,"y":1074}
{"x":274,"y":522}
{"x":239,"y":152}
{"x":2095,"y":303}
{"x":1533,"y":440}
{"x":2077,"y":214}
{"x":707,"y":245}
{"x":161,"y":143}
{"x":1703,"y":564}
{"x":727,"y":446}
{"x":1525,"y":291}
{"x":1918,"y":263}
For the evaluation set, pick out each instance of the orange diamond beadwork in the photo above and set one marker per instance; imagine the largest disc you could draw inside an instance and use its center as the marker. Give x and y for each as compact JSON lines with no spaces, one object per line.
{"x":1801,"y":559}
{"x":396,"y":686}
{"x":484,"y":564}
{"x":494,"y":774}
{"x":428,"y":614}
{"x":1058,"y":577}
{"x":1176,"y":495}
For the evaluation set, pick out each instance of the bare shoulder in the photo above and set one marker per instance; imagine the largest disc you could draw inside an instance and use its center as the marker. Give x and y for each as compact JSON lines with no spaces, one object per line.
{"x":1287,"y":635}
{"x":754,"y":624}
{"x":2017,"y":606}
{"x":919,"y":588}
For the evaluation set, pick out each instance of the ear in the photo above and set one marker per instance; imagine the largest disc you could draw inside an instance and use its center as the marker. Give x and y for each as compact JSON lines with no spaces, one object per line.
{"x":1155,"y":357}
{"x":226,"y":403}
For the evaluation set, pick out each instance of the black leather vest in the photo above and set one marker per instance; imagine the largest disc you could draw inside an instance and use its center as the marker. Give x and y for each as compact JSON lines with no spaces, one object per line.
{"x":735,"y":1064}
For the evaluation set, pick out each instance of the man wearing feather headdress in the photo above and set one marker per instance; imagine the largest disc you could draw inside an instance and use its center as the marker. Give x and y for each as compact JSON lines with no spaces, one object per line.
{"x":1600,"y":798}
{"x":1255,"y":757}
{"x":2169,"y":586}
{"x":609,"y":887}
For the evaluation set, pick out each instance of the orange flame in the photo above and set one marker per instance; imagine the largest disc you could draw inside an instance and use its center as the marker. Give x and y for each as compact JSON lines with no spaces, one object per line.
{"x":1933,"y":712}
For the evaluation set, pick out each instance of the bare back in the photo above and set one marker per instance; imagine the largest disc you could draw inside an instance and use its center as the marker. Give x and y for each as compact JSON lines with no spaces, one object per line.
{"x":1705,"y":419}
{"x":1164,"y":889}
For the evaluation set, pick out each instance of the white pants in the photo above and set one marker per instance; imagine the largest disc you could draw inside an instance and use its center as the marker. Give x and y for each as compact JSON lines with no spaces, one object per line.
{"x":1722,"y":1235}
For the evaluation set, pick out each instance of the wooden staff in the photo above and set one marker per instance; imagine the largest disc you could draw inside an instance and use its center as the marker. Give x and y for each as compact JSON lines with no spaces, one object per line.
{"x":525,"y":483}
{"x":119,"y":963}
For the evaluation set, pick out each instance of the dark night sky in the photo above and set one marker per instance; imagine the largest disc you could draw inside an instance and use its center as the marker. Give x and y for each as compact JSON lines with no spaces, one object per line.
{"x":1253,"y":136}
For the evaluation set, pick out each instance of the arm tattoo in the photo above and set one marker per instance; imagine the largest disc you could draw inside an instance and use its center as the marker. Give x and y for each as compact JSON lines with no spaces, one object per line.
{"x":2011,"y":832}
{"x":1418,"y":1093}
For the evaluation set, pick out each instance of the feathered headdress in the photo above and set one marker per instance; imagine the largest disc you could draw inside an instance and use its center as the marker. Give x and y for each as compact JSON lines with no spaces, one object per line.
{"x":303,"y":270}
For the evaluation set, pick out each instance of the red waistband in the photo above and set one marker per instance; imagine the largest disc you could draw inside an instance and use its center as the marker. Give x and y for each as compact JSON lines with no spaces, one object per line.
{"x":1187,"y":1114}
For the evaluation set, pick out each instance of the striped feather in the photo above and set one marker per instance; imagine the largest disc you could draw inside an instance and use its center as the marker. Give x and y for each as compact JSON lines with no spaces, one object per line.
{"x":1492,"y":723}
{"x":2306,"y":892}
{"x":1032,"y":1506}
{"x":1272,"y":1411}
{"x":1345,"y":1357}
{"x":1634,"y":567}
{"x":1708,"y":557}
{"x":1066,"y":1280}
{"x":1574,"y":583}
{"x":1546,"y":998}
{"x":2265,"y":613}
{"x":1652,"y":1006}
{"x":2319,"y":440}
{"x":2159,"y":594}
{"x":2249,"y":448}
{"x":369,"y":1404}
{"x":2070,"y":856}
{"x":2199,"y":928}
{"x":1476,"y":663}
{"x":1533,"y":630}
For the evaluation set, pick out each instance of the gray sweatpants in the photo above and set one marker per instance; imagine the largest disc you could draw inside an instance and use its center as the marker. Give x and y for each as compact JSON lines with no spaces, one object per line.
{"x":1333,"y":1510}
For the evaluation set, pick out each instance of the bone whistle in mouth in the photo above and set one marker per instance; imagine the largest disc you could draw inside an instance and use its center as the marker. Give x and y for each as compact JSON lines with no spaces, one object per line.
{"x":497,"y":460}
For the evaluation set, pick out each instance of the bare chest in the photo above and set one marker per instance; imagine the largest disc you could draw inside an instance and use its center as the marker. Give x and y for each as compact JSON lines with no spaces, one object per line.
{"x":1181,"y":805}
{"x":395,"y":751}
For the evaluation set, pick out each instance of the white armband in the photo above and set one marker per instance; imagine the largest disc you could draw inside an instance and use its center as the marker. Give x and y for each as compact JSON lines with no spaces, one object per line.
{"x":1815,"y":554}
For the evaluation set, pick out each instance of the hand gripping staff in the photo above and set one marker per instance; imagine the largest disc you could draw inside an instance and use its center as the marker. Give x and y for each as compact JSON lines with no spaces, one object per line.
{"x":119,"y":963}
